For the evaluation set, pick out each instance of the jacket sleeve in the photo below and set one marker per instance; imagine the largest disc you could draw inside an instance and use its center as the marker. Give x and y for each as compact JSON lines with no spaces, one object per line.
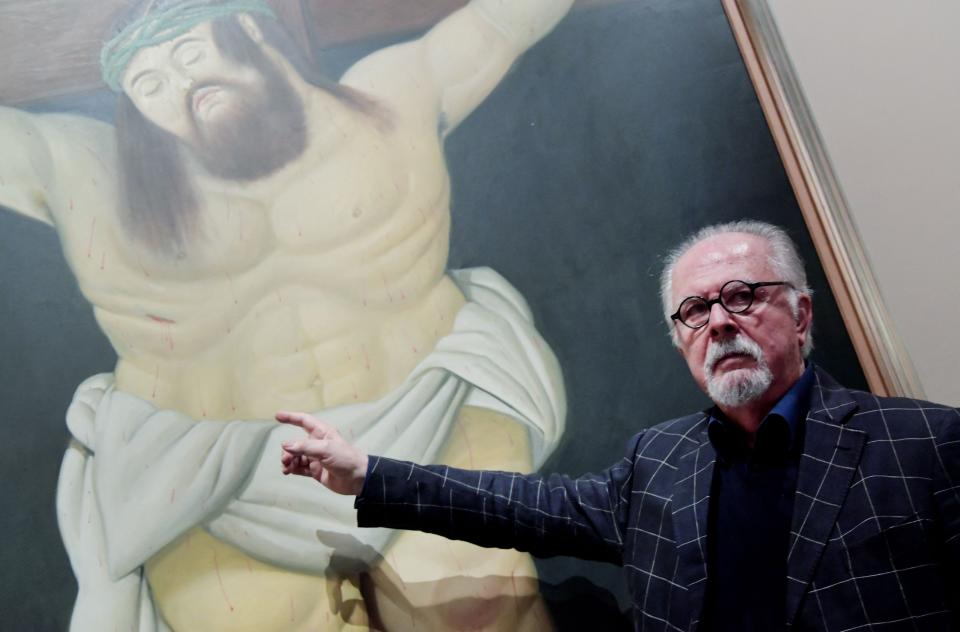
{"x":544,"y":515}
{"x":946,"y":478}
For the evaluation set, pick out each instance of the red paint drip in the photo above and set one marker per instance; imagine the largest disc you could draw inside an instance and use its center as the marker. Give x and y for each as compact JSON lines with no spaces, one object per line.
{"x":93,"y":228}
{"x":223,"y":590}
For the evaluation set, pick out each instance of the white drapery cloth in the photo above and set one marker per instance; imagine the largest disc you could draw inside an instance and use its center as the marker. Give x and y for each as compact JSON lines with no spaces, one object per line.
{"x":135,"y":478}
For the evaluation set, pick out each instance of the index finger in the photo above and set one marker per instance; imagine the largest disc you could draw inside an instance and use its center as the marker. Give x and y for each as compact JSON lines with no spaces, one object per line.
{"x":303,"y":420}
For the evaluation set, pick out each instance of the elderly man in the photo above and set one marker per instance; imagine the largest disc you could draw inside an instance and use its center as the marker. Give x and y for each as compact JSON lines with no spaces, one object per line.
{"x":253,"y":235}
{"x":792,"y":503}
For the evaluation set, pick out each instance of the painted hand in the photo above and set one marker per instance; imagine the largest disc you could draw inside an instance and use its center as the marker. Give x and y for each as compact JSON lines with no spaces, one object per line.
{"x":323,"y":455}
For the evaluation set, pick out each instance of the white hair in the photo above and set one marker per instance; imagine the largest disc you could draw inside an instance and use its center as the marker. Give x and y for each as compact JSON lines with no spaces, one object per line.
{"x":784,"y":260}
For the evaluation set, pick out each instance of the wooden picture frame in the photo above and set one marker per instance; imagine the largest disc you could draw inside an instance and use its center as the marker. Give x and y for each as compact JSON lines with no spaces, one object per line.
{"x":882,"y":356}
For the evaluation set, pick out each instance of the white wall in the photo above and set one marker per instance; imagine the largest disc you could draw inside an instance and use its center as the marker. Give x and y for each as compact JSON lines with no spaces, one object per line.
{"x":882,"y":78}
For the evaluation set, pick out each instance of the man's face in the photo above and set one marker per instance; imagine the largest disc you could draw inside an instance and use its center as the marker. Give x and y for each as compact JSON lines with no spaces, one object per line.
{"x":241,"y":121}
{"x":717,"y":353}
{"x":186,"y":86}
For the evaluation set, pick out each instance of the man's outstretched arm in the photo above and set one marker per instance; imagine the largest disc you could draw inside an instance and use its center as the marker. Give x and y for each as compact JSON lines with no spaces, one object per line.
{"x":545,"y":516}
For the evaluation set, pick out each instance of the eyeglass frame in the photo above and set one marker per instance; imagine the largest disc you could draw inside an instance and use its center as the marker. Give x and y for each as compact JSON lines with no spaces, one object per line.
{"x":713,"y":301}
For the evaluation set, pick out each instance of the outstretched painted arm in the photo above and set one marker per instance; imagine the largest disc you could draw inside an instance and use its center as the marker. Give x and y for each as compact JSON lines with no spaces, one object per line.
{"x":26,"y":165}
{"x":522,"y":22}
{"x":48,"y":160}
{"x":458,"y":62}
{"x":470,"y":52}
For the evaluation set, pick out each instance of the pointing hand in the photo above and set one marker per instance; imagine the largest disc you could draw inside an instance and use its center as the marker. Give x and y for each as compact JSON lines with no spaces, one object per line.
{"x":323,"y":454}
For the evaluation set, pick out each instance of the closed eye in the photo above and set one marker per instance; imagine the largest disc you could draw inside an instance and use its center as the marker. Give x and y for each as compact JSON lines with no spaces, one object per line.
{"x":188,"y":51}
{"x":191,"y":56}
{"x":149,"y":86}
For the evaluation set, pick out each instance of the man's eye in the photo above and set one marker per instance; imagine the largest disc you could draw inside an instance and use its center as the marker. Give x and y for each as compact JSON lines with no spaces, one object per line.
{"x":150,"y":87}
{"x":191,"y":56}
{"x":694,"y":308}
{"x":740,"y":297}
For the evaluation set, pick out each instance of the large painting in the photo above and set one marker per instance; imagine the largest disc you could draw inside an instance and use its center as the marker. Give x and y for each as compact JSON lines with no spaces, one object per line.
{"x":439,"y":227}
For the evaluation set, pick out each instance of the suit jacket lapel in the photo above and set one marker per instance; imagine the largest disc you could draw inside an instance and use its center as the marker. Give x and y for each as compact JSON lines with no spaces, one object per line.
{"x":831,"y":453}
{"x":691,"y":499}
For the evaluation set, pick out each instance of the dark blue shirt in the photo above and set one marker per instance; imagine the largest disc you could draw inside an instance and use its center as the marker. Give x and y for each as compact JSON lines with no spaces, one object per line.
{"x":751,"y":506}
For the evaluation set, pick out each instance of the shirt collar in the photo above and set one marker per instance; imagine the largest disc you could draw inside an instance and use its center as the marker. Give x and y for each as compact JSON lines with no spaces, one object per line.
{"x":780,"y":433}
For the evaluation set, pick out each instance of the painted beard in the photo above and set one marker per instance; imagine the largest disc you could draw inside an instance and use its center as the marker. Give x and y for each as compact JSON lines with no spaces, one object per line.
{"x":740,"y":386}
{"x":263,"y":130}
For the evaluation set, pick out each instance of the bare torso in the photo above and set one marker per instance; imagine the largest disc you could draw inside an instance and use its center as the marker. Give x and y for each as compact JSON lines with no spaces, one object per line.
{"x":329,"y":294}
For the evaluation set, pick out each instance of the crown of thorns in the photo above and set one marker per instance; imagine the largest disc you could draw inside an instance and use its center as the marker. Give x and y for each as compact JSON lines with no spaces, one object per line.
{"x":162,"y":26}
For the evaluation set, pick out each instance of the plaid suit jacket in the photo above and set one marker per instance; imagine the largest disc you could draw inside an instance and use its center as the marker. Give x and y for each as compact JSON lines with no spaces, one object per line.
{"x":875,"y":537}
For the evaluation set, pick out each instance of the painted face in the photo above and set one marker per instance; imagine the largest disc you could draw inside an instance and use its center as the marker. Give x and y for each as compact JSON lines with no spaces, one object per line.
{"x":242,"y":121}
{"x":733,"y":351}
{"x":186,"y":86}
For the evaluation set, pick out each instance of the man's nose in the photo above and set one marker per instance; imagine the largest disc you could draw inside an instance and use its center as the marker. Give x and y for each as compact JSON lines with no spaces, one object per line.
{"x":184,"y":81}
{"x":722,"y":323}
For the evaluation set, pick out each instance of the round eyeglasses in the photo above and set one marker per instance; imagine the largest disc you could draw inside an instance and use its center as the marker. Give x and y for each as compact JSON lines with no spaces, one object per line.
{"x":735,"y":296}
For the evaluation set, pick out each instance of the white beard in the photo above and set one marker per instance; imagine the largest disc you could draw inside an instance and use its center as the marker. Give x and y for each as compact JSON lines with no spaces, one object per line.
{"x":740,"y":386}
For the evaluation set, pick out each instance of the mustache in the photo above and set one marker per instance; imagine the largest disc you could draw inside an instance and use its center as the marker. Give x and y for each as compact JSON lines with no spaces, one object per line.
{"x":739,"y":345}
{"x":221,"y":83}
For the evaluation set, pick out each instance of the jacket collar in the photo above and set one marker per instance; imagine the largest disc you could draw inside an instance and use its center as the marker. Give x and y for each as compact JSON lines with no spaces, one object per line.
{"x":830,"y":456}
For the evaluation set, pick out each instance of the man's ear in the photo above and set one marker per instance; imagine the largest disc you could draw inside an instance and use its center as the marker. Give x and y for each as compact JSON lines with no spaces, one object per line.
{"x":804,"y":317}
{"x":250,"y":26}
